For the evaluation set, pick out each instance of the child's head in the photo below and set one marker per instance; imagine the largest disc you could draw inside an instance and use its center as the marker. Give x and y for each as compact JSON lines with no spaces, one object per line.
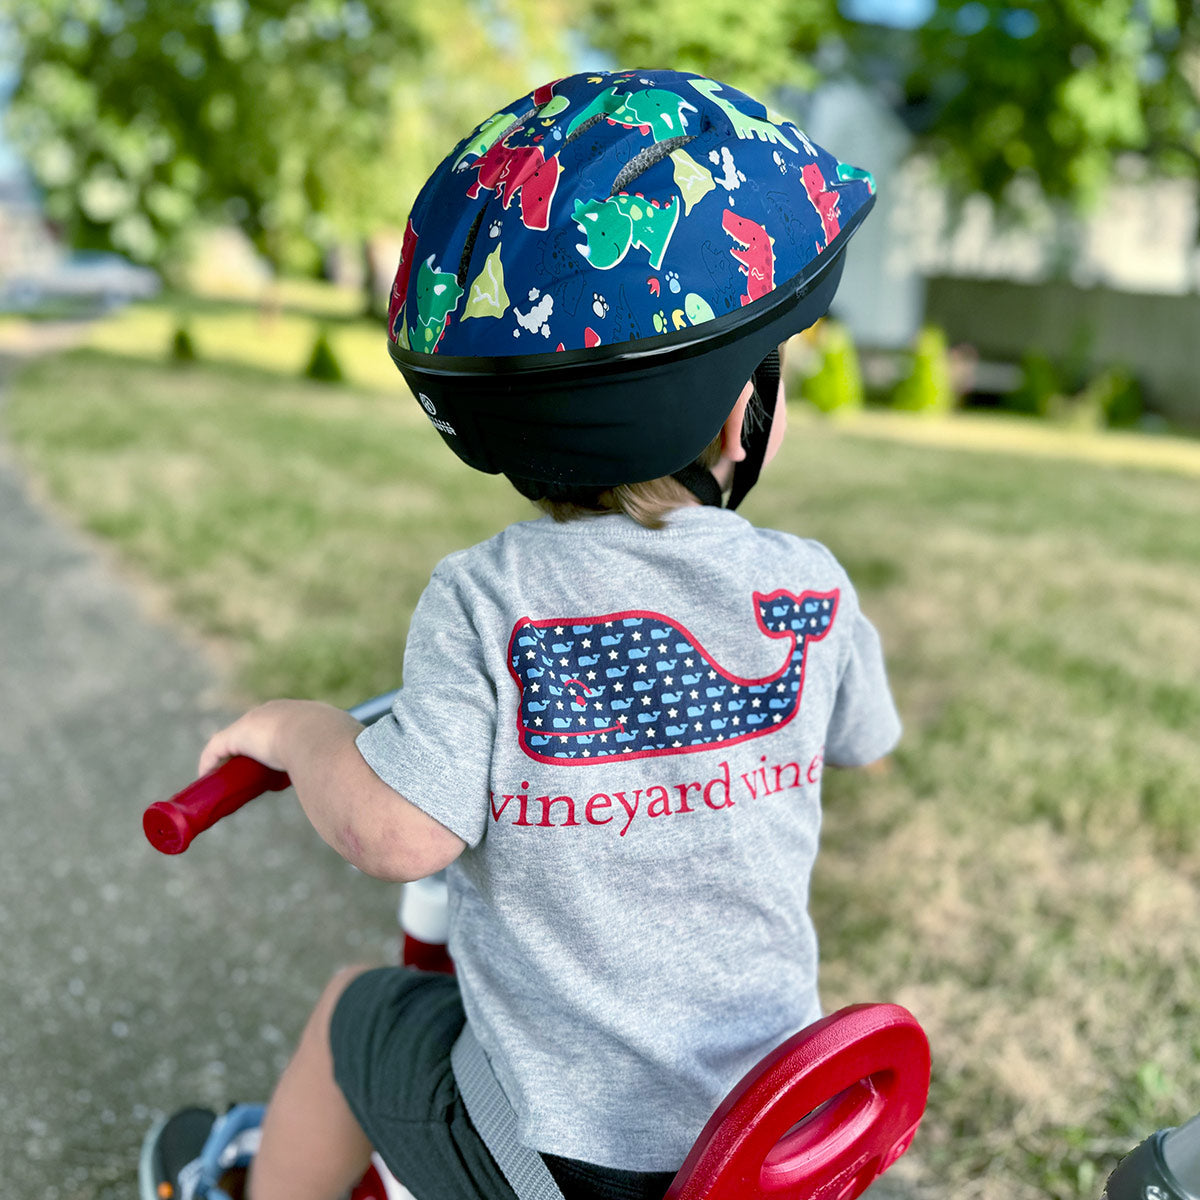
{"x":651,"y":501}
{"x":591,"y":277}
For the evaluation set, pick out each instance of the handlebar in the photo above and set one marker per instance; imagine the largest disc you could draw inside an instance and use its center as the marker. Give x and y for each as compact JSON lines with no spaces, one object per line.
{"x":170,"y":825}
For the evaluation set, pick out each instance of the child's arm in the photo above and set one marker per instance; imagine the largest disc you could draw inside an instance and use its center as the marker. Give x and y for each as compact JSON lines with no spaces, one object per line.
{"x":363,"y":819}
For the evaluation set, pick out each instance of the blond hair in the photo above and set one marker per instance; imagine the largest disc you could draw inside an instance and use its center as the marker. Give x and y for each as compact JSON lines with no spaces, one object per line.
{"x":648,"y":503}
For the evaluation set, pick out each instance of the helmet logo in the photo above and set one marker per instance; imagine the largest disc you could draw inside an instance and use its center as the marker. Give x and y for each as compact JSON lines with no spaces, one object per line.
{"x":438,"y":424}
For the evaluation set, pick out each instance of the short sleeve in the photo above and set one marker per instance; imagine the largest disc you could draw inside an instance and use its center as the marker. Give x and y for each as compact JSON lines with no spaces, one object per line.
{"x":434,"y":748}
{"x":864,"y":725}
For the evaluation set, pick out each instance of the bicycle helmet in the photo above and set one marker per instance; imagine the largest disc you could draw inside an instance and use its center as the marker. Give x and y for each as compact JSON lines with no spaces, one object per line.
{"x":589,"y":279}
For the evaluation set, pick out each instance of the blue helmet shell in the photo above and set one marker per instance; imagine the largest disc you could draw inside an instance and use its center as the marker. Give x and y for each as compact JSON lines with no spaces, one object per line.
{"x":592,"y":246}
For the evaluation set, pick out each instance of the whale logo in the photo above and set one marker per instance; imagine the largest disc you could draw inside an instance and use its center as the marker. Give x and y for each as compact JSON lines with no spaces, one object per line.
{"x":608,"y":693}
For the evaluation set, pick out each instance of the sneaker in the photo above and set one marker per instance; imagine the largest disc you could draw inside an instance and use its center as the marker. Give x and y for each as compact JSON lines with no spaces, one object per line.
{"x":196,"y":1155}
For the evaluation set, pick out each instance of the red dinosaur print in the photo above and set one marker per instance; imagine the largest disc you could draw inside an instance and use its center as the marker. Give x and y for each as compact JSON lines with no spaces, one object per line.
{"x":400,"y":287}
{"x":755,"y":251}
{"x":824,"y":199}
{"x":508,"y":170}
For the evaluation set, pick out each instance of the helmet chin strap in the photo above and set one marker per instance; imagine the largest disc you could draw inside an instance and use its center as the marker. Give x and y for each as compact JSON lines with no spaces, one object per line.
{"x":756,"y":434}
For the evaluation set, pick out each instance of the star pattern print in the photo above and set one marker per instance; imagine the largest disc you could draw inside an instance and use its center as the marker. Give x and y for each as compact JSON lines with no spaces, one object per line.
{"x":634,"y":684}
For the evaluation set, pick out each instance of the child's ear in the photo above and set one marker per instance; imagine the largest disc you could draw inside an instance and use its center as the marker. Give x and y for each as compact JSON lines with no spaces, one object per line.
{"x":731,"y":431}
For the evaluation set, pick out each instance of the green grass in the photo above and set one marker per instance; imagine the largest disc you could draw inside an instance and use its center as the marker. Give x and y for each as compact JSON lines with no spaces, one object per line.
{"x":274,"y":333}
{"x":1024,"y":874}
{"x":293,"y":523}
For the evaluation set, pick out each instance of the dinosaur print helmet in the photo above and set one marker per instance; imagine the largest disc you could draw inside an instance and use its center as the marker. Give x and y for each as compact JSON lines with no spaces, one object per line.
{"x":589,"y":278}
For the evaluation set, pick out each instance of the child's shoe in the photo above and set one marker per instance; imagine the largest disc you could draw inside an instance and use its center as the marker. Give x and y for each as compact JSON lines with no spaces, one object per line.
{"x":196,"y":1155}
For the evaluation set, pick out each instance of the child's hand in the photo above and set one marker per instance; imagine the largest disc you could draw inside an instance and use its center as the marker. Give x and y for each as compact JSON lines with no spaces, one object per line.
{"x":350,"y":806}
{"x":260,"y":734}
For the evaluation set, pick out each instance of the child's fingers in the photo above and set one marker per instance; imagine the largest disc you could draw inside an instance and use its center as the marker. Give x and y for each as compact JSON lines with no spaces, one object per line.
{"x":253,"y":735}
{"x":215,"y":752}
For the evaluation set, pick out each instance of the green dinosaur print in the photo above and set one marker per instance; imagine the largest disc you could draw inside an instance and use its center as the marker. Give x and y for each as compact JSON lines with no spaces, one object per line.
{"x":438,"y":294}
{"x":487,"y":135}
{"x":698,"y":309}
{"x":657,"y":109}
{"x":846,"y":171}
{"x":614,"y":226}
{"x":553,"y":107}
{"x":744,"y":126}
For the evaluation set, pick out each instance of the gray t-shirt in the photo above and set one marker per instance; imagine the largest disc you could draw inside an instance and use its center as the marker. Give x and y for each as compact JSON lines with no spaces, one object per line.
{"x":628,"y":728}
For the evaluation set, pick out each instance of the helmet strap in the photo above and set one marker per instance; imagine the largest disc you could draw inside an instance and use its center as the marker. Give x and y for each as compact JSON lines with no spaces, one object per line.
{"x":756,"y":429}
{"x":756,"y":435}
{"x":701,"y":482}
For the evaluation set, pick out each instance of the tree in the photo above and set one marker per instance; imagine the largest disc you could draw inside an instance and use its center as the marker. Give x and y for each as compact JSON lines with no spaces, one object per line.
{"x":313,"y":122}
{"x":305,"y":122}
{"x":1058,"y":91}
{"x":758,"y":46}
{"x":1000,"y":91}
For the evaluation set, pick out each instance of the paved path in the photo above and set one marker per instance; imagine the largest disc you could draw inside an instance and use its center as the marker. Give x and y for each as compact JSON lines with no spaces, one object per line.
{"x":132,"y":983}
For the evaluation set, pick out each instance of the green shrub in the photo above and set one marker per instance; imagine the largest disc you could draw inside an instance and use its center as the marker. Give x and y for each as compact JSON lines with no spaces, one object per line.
{"x":929,"y":386}
{"x":182,"y":348}
{"x":323,"y":362}
{"x":1116,"y":396}
{"x":1110,"y":399}
{"x":1041,"y":385}
{"x":836,"y":385}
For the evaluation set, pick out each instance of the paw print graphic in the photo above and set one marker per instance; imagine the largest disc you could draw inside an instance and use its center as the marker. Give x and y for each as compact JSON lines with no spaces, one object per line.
{"x":660,"y":321}
{"x":599,"y":305}
{"x":673,"y":281}
{"x":779,"y":163}
{"x":494,"y":229}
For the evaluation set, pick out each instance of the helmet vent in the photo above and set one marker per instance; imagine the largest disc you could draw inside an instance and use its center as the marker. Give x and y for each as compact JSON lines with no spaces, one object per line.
{"x":465,"y":261}
{"x":594,"y":119}
{"x":643,"y":160}
{"x":518,"y":123}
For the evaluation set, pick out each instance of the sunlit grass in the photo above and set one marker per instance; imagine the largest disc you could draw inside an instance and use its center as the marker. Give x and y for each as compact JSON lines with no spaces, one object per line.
{"x":273,"y":332}
{"x":1000,"y":433}
{"x":1024,"y":874}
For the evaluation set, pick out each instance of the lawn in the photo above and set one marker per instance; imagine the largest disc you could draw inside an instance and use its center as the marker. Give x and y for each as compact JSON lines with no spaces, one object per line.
{"x":1024,"y":873}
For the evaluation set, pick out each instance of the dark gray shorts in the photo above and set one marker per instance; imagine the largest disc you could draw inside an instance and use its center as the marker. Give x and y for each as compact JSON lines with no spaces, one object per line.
{"x":391,"y":1034}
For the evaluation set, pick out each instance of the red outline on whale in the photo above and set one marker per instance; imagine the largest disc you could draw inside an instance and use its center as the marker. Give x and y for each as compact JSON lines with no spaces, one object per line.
{"x":760,"y":599}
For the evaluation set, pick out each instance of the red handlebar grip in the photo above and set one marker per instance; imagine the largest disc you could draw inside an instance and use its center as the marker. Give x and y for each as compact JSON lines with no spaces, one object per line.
{"x":171,"y":824}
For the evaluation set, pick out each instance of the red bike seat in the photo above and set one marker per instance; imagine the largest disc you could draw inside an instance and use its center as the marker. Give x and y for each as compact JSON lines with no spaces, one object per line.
{"x":820,"y":1117}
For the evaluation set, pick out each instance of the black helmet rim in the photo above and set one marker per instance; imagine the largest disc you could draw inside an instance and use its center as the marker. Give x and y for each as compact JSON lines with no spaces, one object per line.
{"x":614,"y":414}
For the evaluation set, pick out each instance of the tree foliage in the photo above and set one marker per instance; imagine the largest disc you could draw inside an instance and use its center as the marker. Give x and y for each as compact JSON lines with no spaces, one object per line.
{"x":758,"y":46}
{"x":302,"y":121}
{"x":1058,"y":91}
{"x":312,"y":122}
{"x":1055,"y":91}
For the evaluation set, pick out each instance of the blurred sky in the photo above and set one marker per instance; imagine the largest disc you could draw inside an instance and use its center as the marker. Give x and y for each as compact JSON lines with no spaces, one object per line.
{"x":8,"y":80}
{"x":900,"y":13}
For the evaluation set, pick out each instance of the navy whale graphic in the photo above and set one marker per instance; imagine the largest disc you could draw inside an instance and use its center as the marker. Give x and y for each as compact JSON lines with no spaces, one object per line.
{"x":635,"y":684}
